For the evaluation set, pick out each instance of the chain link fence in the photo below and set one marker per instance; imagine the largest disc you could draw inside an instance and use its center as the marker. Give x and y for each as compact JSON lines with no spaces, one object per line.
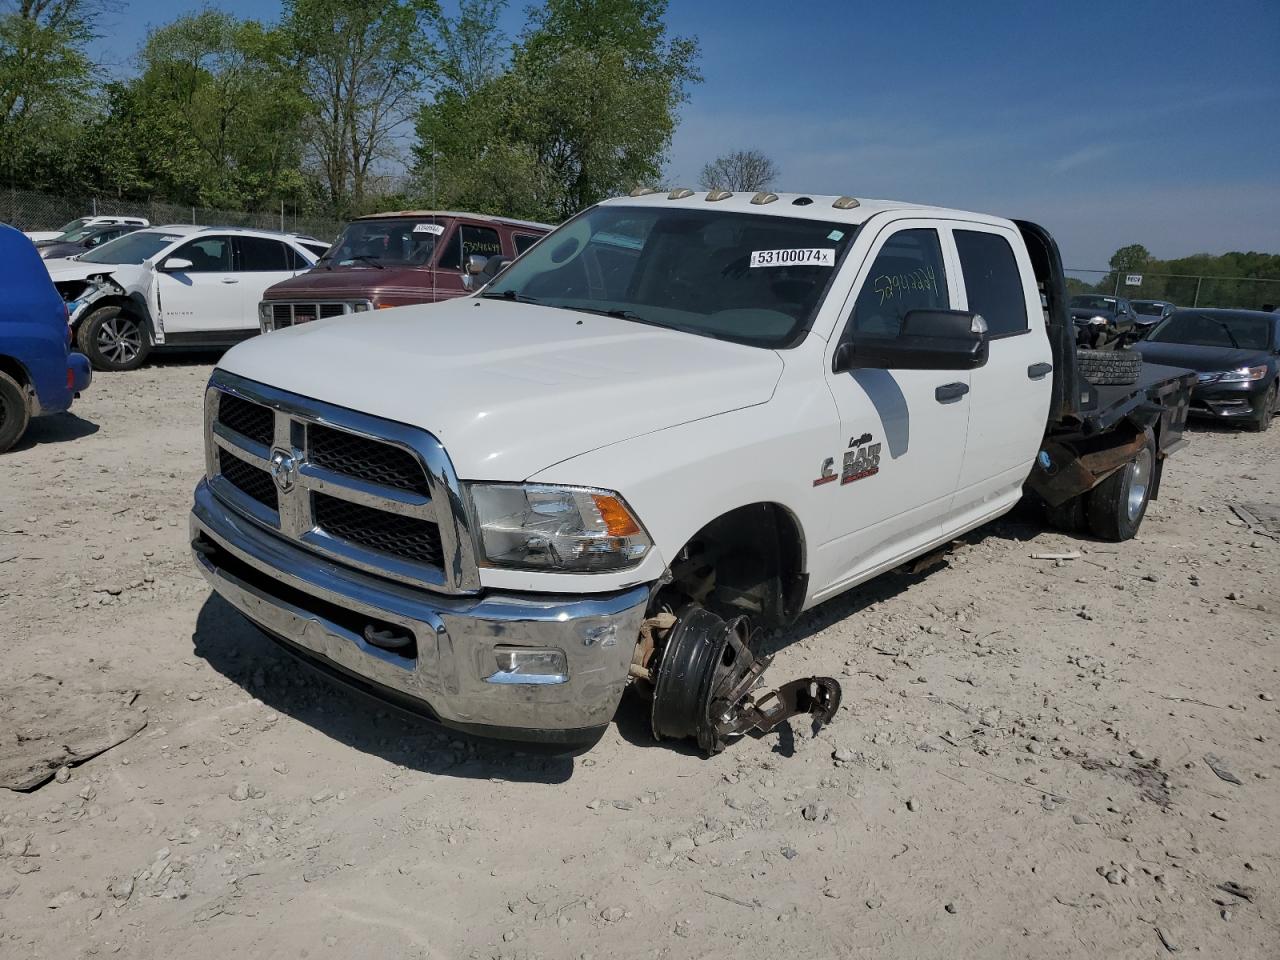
{"x":29,"y":210}
{"x":1183,"y":289}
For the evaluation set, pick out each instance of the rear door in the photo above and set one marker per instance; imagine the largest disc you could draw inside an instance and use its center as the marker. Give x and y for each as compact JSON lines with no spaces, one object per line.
{"x":891,"y":486}
{"x":1011,"y":393}
{"x":203,"y":298}
{"x":261,"y":262}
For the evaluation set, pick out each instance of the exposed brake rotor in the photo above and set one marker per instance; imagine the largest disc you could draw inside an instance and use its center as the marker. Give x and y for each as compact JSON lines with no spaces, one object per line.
{"x":704,"y":678}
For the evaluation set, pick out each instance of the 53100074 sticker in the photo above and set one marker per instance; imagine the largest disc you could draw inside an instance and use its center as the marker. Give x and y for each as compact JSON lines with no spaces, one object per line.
{"x":811,"y":257}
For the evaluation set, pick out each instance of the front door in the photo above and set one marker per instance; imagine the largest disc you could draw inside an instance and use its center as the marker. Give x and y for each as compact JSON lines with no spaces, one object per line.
{"x":203,"y":298}
{"x":904,"y":430}
{"x":260,"y":263}
{"x":465,"y":240}
{"x":1010,"y":394}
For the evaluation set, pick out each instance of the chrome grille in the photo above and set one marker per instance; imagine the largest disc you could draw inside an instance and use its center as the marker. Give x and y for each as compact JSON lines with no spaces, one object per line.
{"x":248,"y":419}
{"x":417,"y":540}
{"x":370,"y":493}
{"x":370,"y":460}
{"x":291,"y":314}
{"x":248,"y":479}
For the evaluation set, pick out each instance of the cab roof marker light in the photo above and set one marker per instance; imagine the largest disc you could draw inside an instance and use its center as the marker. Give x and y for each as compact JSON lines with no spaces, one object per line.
{"x":763,"y":198}
{"x":679,"y":193}
{"x":714,"y":195}
{"x":642,"y":191}
{"x":845,"y":203}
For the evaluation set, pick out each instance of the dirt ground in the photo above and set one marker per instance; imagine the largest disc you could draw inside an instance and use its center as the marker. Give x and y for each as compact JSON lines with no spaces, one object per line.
{"x":1019,"y":768}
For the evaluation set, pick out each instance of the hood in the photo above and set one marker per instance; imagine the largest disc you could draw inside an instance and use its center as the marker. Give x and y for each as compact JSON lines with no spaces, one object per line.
{"x":510,"y":388}
{"x":1200,"y":358}
{"x":51,"y":250}
{"x":353,"y":282}
{"x":37,"y":235}
{"x":62,"y":270}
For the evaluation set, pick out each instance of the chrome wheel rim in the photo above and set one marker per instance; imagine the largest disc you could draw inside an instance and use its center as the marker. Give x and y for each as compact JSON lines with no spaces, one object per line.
{"x":1139,"y":480}
{"x":120,"y":340}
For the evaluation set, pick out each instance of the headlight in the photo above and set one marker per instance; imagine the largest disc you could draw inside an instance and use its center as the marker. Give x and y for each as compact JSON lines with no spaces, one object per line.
{"x":1096,"y":320}
{"x":1243,"y":374}
{"x":265,"y":319}
{"x":542,"y":527}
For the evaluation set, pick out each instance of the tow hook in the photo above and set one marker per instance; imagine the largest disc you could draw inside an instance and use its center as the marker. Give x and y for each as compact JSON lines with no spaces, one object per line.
{"x":703,"y":679}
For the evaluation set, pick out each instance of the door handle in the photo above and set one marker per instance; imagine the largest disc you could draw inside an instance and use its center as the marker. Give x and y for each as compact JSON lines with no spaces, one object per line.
{"x":1038,"y":371}
{"x":950,"y":392}
{"x":230,"y":280}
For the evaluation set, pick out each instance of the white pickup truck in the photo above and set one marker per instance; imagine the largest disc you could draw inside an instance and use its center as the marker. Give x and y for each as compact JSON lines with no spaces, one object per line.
{"x":677,"y":416}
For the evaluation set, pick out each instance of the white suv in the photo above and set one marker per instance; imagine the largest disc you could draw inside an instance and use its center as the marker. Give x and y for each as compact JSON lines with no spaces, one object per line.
{"x":174,"y":286}
{"x":37,"y":235}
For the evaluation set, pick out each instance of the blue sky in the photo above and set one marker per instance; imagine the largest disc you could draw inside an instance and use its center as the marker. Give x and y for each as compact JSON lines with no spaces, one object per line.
{"x":1155,"y":123}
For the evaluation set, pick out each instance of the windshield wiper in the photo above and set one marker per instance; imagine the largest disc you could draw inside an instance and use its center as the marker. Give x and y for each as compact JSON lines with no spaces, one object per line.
{"x":616,"y":314}
{"x":508,"y":295}
{"x":1225,"y":329}
{"x":368,"y":258}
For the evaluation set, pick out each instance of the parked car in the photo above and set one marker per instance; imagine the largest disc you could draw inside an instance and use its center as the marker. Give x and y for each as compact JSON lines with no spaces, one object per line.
{"x":1236,"y":354}
{"x":75,"y":242}
{"x":39,"y":375}
{"x":38,"y":235}
{"x":173,"y":286}
{"x":1101,"y":321}
{"x":1147,"y":313}
{"x":674,"y":412}
{"x":394,"y":259}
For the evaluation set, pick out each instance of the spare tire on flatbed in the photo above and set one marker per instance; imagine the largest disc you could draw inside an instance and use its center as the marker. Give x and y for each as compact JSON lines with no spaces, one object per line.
{"x":1109,"y":367}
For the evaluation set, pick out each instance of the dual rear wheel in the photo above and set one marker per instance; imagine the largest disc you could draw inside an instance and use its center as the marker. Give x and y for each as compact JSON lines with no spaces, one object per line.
{"x":1113,"y":510}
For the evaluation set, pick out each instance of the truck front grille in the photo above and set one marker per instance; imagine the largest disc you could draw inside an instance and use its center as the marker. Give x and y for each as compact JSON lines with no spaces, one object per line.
{"x":337,"y":488}
{"x":248,"y":479}
{"x":291,"y":314}
{"x":405,"y":537}
{"x":369,"y":460}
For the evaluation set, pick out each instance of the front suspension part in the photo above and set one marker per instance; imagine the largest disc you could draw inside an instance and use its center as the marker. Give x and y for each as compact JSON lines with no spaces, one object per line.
{"x":704,"y":677}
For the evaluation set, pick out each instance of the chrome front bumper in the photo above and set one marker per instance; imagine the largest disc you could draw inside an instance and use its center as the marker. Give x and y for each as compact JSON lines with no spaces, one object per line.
{"x":319,"y":609}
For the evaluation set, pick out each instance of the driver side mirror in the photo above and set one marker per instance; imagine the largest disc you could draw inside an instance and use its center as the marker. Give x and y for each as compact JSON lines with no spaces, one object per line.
{"x":928,"y":340}
{"x":176,"y":265}
{"x":472,"y":270}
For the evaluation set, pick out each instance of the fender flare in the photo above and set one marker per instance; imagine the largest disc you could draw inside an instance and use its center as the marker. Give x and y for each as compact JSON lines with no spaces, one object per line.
{"x":134,"y":303}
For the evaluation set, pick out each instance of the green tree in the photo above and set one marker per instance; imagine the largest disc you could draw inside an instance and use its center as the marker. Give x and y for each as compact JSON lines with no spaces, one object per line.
{"x":215,"y":117}
{"x":46,"y":80}
{"x":364,"y":69}
{"x":586,"y":109}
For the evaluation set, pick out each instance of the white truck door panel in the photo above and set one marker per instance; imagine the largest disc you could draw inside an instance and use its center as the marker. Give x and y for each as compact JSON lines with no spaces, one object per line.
{"x":893,"y":482}
{"x":203,"y":298}
{"x":260,"y":263}
{"x":1010,"y":394}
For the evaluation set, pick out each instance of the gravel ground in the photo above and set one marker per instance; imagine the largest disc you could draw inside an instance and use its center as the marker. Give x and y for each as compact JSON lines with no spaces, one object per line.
{"x":1019,"y":768}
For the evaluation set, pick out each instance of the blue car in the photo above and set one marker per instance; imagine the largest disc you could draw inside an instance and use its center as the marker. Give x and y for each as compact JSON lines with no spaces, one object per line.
{"x":39,"y":375}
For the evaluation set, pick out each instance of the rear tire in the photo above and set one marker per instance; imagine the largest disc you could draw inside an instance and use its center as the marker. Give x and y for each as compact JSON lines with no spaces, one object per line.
{"x":1068,"y":517}
{"x":14,"y":414}
{"x":1109,"y":367}
{"x":113,"y":340}
{"x":1266,"y":408}
{"x":1117,"y":505}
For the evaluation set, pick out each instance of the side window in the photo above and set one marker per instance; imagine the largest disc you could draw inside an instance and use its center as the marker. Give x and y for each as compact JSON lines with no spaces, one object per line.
{"x":207,"y":255}
{"x":258,"y":254}
{"x":992,"y":281}
{"x":523,"y":242}
{"x":908,"y":274}
{"x":481,"y":241}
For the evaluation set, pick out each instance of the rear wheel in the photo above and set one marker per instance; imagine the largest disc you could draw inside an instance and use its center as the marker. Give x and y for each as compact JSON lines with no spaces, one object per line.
{"x":1109,"y":367}
{"x":113,"y":340}
{"x":1117,"y":505}
{"x":14,"y":415}
{"x":1266,"y":407}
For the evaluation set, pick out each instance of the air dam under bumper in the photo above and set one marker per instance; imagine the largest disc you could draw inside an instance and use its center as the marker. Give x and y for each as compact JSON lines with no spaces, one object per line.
{"x":320,"y":609}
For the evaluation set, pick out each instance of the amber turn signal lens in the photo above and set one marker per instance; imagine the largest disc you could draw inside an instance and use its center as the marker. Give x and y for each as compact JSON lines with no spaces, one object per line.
{"x":617,"y":520}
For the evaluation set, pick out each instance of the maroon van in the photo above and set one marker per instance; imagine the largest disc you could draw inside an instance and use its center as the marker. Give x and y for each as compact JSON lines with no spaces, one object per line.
{"x":393,"y":259}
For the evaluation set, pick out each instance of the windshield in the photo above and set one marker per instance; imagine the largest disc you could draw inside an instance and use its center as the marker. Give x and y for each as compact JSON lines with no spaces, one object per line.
{"x":1237,"y":330}
{"x":73,"y":225}
{"x":80,"y":233}
{"x":1094,"y":303}
{"x":408,"y":242}
{"x":749,"y":278}
{"x":131,"y":248}
{"x":1148,"y":308}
